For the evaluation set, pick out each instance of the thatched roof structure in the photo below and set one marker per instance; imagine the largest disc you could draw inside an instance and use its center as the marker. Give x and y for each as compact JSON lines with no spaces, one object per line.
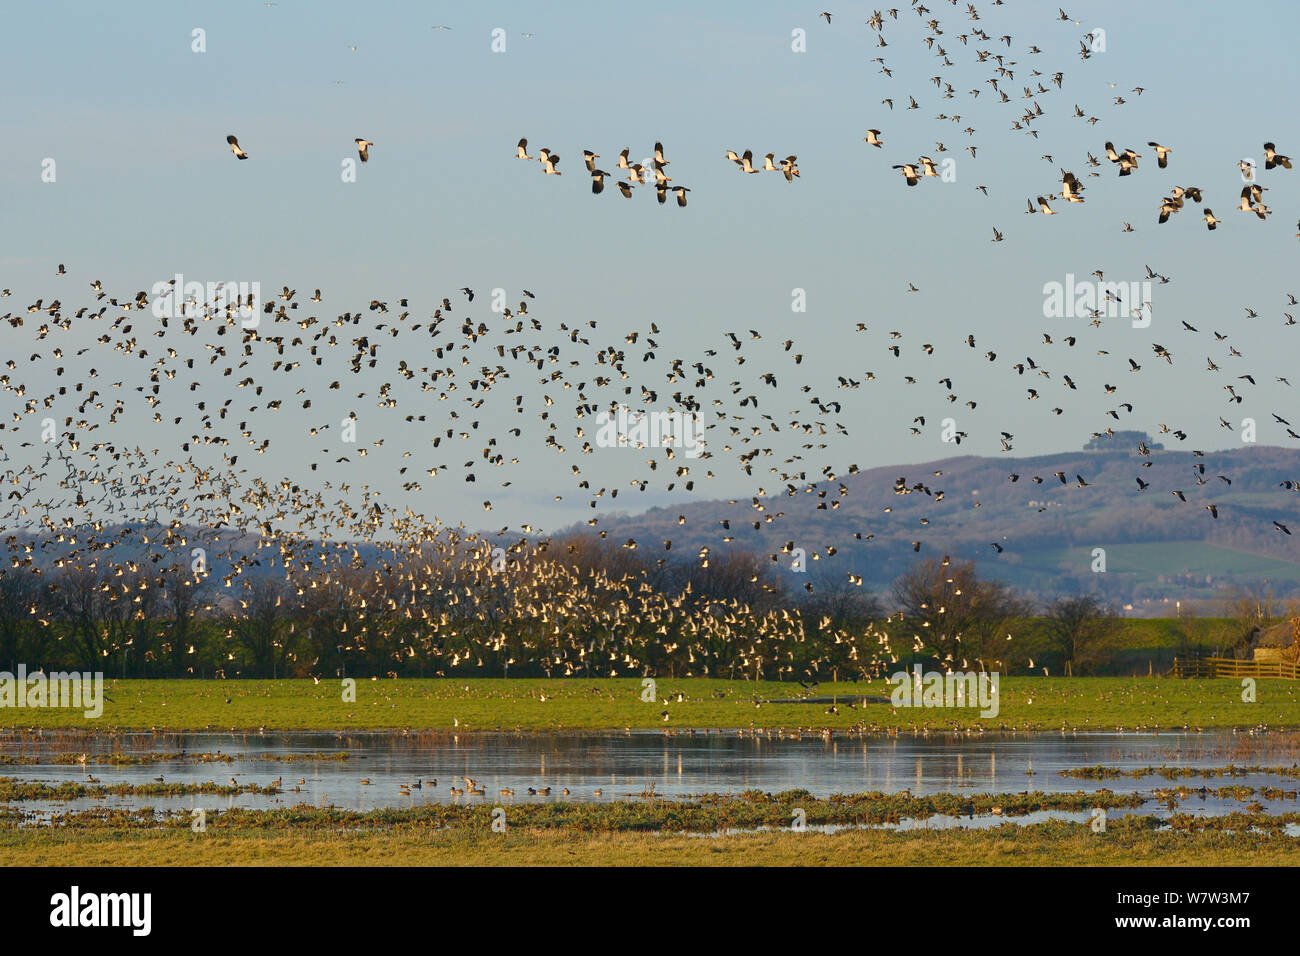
{"x":1278,"y":635}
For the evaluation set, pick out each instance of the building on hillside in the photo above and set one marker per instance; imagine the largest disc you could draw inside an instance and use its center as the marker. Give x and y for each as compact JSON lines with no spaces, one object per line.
{"x":1123,"y":441}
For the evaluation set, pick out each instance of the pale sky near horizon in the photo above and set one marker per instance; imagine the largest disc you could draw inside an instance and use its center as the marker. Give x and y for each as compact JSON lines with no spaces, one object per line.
{"x":146,"y":188}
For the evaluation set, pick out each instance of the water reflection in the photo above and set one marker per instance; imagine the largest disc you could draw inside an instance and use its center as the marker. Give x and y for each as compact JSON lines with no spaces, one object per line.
{"x":617,"y":766}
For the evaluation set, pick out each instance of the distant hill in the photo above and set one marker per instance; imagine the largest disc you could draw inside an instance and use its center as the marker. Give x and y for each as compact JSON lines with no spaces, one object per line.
{"x":1157,"y":547}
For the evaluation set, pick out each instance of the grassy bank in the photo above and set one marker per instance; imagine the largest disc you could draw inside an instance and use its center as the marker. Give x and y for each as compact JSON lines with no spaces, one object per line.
{"x":1128,"y":842}
{"x":746,"y":829}
{"x":1026,"y":703}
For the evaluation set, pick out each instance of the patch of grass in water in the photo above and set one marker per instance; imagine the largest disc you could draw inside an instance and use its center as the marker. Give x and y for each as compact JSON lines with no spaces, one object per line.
{"x":12,"y":789}
{"x":1178,"y":773}
{"x":707,"y":813}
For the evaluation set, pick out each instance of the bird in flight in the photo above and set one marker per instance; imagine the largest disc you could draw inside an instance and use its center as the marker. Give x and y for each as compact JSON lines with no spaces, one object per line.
{"x":1162,"y":154}
{"x":1127,"y":160}
{"x":910,"y":173}
{"x":1273,"y":158}
{"x":234,"y":147}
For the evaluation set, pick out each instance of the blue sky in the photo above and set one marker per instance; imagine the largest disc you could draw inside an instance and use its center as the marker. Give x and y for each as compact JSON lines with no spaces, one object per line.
{"x":147,"y":188}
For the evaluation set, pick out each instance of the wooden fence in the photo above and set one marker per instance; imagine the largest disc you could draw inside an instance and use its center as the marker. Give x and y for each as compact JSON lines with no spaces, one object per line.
{"x":1229,"y":667}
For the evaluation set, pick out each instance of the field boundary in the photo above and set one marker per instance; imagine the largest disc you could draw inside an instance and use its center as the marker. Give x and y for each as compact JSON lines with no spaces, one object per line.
{"x":1230,"y":667}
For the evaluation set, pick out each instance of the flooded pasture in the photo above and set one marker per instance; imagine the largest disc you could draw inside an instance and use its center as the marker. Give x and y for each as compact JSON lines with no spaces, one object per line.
{"x":368,"y":771}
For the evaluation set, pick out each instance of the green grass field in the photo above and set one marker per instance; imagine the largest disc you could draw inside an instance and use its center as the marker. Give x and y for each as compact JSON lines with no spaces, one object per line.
{"x":1148,"y":561}
{"x":1026,"y":703}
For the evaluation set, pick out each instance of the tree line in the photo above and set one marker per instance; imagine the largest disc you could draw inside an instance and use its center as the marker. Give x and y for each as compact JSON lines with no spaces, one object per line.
{"x":579,"y":605}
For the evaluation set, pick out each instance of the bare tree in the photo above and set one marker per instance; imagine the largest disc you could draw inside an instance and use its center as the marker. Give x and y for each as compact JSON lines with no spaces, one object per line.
{"x":76,"y":605}
{"x":1251,"y":609}
{"x":183,"y":593}
{"x":951,"y":613}
{"x":260,"y":625}
{"x":19,"y":592}
{"x":841,"y":615}
{"x":744,"y":576}
{"x":843,"y":603}
{"x":1081,"y":628}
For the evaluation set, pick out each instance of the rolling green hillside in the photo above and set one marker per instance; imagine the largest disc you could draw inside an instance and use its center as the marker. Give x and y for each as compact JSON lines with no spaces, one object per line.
{"x":1156,"y":545}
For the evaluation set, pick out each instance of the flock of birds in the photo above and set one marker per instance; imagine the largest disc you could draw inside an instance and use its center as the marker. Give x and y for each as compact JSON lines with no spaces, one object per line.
{"x":636,"y":172}
{"x":788,"y":166}
{"x":476,"y":390}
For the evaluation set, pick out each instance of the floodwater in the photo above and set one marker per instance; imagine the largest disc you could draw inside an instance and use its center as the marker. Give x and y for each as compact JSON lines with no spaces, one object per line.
{"x":626,"y":765}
